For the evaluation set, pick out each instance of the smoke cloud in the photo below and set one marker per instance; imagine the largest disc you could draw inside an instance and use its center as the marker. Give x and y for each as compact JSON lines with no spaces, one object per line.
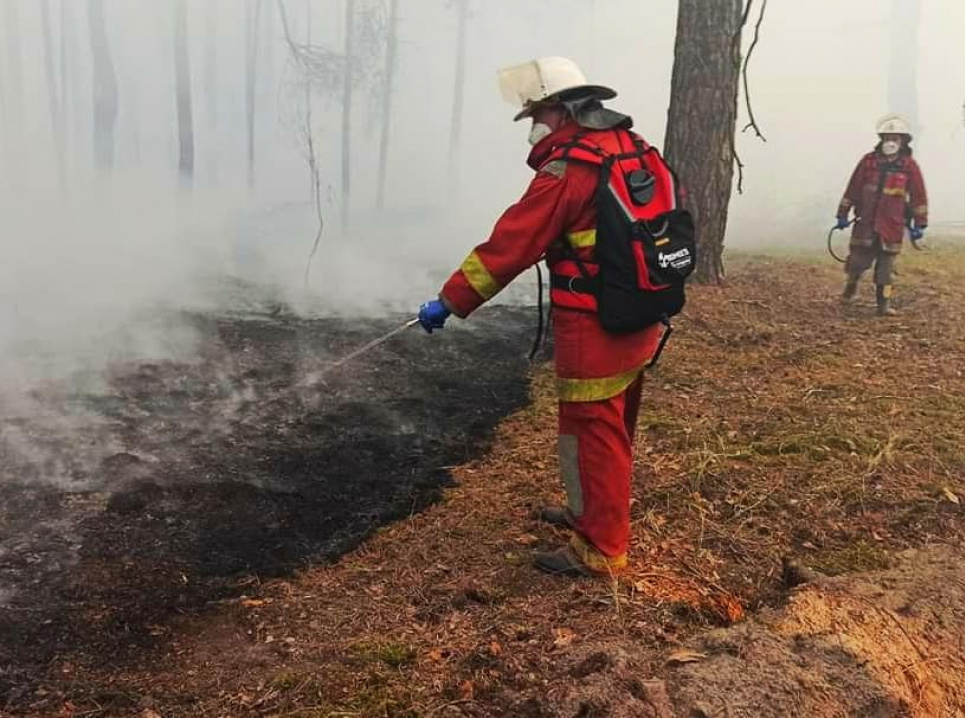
{"x":94,"y":266}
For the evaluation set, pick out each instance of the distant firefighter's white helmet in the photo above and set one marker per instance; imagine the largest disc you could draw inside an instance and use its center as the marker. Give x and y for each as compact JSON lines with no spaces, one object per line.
{"x":893,"y":125}
{"x":546,"y":79}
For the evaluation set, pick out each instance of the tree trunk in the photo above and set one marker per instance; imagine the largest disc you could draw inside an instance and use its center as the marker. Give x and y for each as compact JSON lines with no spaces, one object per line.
{"x":131,"y":110}
{"x":458,"y":94}
{"x":701,"y":120}
{"x":5,"y":143}
{"x":3,"y":109}
{"x":56,"y":115}
{"x":903,"y":73}
{"x":182,"y":75}
{"x":14,"y":79}
{"x":251,"y":65}
{"x":105,"y":88}
{"x":267,"y":72}
{"x":211,"y":83}
{"x":65,"y":41}
{"x":314,"y":177}
{"x":347,"y":110}
{"x":391,"y":47}
{"x":3,"y":96}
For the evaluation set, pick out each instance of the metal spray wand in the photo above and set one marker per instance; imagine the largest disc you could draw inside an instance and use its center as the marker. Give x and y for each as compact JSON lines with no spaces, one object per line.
{"x":368,"y":347}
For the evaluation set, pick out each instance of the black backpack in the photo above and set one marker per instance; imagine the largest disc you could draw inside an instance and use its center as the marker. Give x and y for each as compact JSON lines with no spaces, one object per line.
{"x":645,"y":243}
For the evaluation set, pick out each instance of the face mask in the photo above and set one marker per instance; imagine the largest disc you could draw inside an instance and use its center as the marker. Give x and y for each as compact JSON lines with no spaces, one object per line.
{"x":890,"y":147}
{"x":539,"y":132}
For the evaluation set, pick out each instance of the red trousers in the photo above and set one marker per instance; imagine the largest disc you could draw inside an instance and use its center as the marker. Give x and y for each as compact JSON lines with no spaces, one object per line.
{"x":596,"y":461}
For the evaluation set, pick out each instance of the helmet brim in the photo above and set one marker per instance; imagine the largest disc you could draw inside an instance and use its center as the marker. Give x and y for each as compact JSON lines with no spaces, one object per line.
{"x":598,"y":92}
{"x":908,"y":136}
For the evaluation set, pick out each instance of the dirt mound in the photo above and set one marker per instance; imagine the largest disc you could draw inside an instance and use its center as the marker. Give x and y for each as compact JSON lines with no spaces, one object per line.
{"x":879,"y":645}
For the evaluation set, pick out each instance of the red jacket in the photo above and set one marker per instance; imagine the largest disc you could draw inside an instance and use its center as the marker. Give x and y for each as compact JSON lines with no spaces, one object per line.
{"x":556,"y":209}
{"x":885,"y":195}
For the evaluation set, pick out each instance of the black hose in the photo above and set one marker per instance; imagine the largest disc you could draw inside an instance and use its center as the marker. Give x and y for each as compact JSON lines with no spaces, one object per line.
{"x":831,"y":247}
{"x":540,"y":326}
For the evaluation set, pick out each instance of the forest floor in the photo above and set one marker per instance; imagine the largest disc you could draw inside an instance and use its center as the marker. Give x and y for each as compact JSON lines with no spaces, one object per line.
{"x":798,"y":523}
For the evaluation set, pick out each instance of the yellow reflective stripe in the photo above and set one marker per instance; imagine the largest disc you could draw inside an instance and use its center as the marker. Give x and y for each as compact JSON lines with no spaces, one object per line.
{"x":479,"y":277}
{"x":580,"y":390}
{"x":921,"y":209}
{"x":579,"y":240}
{"x":894,"y":191}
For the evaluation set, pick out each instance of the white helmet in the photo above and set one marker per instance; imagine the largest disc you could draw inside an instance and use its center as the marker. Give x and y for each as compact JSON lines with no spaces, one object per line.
{"x":546,"y":78}
{"x":893,"y":125}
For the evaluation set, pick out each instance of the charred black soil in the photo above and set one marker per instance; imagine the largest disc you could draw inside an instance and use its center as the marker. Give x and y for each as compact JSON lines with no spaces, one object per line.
{"x":781,"y":429}
{"x":164,"y":488}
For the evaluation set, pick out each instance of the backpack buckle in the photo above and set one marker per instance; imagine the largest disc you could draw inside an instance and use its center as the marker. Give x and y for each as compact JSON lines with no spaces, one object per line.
{"x":641,"y":185}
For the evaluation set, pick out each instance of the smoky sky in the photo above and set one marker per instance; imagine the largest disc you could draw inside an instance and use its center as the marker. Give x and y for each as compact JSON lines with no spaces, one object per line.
{"x":83,"y":257}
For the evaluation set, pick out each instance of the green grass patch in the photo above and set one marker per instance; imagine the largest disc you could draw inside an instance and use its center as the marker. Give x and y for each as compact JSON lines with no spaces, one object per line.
{"x":859,"y":556}
{"x":390,"y":653}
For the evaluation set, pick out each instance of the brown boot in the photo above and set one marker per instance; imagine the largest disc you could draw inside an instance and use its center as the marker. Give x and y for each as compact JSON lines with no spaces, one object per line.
{"x":850,"y":290}
{"x":883,"y":295}
{"x":579,"y":559}
{"x":555,"y":516}
{"x":562,"y":562}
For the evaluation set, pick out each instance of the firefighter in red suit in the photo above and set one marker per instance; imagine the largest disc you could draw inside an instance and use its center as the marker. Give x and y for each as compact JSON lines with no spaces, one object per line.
{"x":599,"y":374}
{"x":887,"y":193}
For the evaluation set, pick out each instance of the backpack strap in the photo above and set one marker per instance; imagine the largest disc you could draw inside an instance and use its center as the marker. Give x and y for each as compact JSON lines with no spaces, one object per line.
{"x":667,"y":331}
{"x":582,"y":149}
{"x":584,"y":152}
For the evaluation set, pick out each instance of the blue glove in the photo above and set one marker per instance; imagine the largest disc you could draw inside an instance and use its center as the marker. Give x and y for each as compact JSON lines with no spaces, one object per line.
{"x":433,"y":315}
{"x":842,"y":223}
{"x":916,"y":233}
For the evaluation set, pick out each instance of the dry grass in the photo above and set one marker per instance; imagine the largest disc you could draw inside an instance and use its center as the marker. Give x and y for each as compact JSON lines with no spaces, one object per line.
{"x":778,"y":423}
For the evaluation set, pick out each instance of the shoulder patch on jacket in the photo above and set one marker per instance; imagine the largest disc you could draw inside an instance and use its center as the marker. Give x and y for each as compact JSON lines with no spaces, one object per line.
{"x":557,"y":168}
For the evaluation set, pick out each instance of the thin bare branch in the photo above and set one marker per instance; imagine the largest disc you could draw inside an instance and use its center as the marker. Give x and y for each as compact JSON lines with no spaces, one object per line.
{"x":740,"y":171}
{"x":296,"y":51}
{"x":286,"y":28}
{"x":747,"y":60}
{"x":316,"y":179}
{"x":747,"y":12}
{"x":321,"y":67}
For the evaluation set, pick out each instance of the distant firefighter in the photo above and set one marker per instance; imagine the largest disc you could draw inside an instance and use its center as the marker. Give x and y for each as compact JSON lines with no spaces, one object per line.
{"x":887,"y":194}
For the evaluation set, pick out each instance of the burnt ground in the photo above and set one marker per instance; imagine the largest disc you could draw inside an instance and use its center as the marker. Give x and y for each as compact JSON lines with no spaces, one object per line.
{"x":161,"y":489}
{"x":779,"y":425}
